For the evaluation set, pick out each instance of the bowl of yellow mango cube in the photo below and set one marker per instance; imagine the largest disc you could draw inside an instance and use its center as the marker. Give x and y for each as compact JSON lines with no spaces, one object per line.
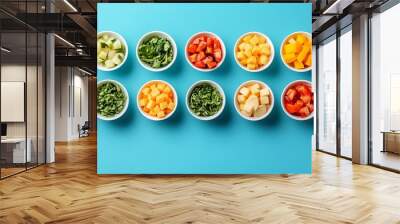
{"x":157,"y":100}
{"x":296,"y":51}
{"x":254,"y":100}
{"x":254,"y":51}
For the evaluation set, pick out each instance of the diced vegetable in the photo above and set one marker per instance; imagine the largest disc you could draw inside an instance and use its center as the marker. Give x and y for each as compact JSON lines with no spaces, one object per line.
{"x":157,"y":99}
{"x":299,"y":101}
{"x":253,"y":100}
{"x":107,"y":49}
{"x":253,"y":51}
{"x":297,"y":51}
{"x":207,"y":50}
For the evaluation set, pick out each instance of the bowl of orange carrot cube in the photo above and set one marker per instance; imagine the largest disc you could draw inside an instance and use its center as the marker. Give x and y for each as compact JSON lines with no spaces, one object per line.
{"x":157,"y":100}
{"x":296,"y":51}
{"x":254,"y":52}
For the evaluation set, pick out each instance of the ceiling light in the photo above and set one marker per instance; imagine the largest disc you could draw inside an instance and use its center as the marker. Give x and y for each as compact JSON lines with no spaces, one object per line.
{"x":337,"y":7}
{"x":64,"y":40}
{"x":70,"y":5}
{"x":84,"y":71}
{"x":331,"y":7}
{"x":5,"y":50}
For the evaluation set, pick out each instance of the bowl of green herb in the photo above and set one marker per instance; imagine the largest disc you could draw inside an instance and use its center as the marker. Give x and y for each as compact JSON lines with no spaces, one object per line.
{"x":205,"y":100}
{"x":156,"y":51}
{"x":112,"y":100}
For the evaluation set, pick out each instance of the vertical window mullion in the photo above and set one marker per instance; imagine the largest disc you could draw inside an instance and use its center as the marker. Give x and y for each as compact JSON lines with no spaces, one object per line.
{"x":316,"y":97}
{"x":338,"y":74}
{"x":26,"y":86}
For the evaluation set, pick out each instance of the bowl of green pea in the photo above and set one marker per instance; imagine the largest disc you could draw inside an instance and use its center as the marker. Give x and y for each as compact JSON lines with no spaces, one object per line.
{"x":112,"y":100}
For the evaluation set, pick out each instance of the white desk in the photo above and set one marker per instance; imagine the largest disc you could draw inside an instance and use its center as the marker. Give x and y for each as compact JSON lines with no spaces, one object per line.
{"x":19,"y":149}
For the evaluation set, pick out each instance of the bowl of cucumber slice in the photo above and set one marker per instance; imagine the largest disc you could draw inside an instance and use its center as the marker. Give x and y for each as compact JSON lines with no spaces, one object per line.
{"x":112,"y":51}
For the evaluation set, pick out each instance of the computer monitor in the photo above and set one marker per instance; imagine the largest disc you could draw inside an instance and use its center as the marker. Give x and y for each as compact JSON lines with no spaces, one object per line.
{"x":3,"y":130}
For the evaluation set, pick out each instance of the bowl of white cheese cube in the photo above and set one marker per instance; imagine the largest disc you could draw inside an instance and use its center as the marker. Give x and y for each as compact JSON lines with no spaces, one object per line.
{"x":112,"y":51}
{"x":254,"y":100}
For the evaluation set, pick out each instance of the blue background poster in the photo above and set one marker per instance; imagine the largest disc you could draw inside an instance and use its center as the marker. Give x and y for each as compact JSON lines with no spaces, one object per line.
{"x":183,"y":145}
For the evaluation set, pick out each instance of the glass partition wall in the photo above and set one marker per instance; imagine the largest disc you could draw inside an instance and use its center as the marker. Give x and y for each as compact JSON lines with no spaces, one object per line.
{"x":22,"y":77}
{"x":385,"y":90}
{"x":334,"y":89}
{"x":327,"y":95}
{"x":345,"y":93}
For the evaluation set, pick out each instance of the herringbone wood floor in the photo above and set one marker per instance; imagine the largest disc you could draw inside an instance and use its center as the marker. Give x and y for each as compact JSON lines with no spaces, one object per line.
{"x":70,"y":191}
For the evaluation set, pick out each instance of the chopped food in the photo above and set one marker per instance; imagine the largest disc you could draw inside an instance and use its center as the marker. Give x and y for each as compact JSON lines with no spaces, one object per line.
{"x":205,"y":100}
{"x":205,"y":51}
{"x":253,"y":51}
{"x":156,"y":51}
{"x":254,"y":100}
{"x":110,"y":51}
{"x":297,"y":51}
{"x":299,"y":100}
{"x":111,"y":99}
{"x":157,"y":99}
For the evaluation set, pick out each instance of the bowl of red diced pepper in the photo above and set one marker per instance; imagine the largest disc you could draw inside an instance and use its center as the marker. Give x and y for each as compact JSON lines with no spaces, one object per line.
{"x":205,"y":51}
{"x":298,"y":100}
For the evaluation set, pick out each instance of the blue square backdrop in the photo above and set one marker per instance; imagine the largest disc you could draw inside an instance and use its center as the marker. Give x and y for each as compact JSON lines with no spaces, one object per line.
{"x":182,"y":144}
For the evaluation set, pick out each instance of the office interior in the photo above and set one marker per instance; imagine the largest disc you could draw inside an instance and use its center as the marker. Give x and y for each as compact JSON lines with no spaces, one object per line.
{"x":48,"y":81}
{"x":26,"y":59}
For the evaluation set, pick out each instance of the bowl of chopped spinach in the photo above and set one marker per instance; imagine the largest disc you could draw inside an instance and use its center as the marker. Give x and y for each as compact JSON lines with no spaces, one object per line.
{"x":205,"y":100}
{"x":112,"y":100}
{"x":156,"y":51}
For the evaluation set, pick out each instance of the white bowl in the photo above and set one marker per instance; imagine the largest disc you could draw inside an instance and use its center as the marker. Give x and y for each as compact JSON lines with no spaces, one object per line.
{"x":281,"y":51}
{"x":208,"y":34}
{"x":270,"y":108}
{"x":215,"y":85}
{"x":123,"y":41}
{"x":159,"y":34}
{"x":271,"y":58}
{"x":283,"y":100}
{"x":149,"y":116}
{"x":101,"y":117}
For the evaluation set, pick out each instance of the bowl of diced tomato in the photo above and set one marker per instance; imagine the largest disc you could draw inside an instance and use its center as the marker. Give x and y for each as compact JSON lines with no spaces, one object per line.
{"x":205,"y":51}
{"x":298,"y":100}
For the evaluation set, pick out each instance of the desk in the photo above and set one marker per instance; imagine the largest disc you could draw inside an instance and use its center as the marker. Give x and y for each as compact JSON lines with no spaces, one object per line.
{"x":18,"y":151}
{"x":391,"y":141}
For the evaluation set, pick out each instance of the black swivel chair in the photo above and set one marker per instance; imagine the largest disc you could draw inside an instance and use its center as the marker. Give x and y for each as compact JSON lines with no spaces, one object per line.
{"x":84,"y":130}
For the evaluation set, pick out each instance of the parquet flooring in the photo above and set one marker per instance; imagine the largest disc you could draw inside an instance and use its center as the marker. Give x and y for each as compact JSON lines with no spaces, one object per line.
{"x":70,"y":191}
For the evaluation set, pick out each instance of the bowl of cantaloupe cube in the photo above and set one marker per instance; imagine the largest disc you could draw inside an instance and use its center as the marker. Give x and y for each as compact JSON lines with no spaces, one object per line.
{"x":296,"y":51}
{"x":254,"y":100}
{"x":254,"y":51}
{"x":157,"y":100}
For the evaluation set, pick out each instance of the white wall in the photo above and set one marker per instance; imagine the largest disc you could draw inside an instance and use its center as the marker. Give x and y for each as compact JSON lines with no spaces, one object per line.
{"x":70,"y":81}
